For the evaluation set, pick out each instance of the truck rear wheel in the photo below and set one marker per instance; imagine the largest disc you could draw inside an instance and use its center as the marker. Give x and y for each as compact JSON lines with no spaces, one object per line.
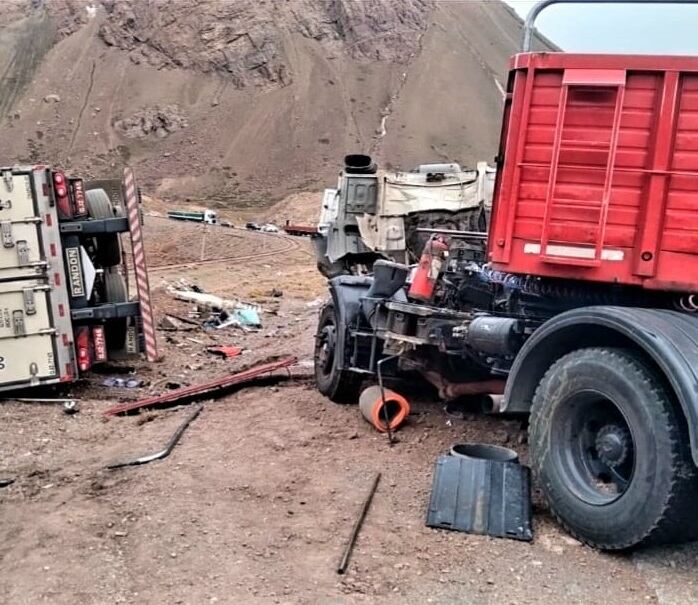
{"x":610,"y":451}
{"x":115,"y":291}
{"x":340,"y":385}
{"x":99,"y":206}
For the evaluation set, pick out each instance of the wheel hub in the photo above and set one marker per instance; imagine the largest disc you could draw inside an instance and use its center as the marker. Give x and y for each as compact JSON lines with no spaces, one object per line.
{"x":325,"y":353}
{"x":612,"y":445}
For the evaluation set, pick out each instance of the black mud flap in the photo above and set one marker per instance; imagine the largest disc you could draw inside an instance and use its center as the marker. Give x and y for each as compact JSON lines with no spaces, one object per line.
{"x":481,"y":497}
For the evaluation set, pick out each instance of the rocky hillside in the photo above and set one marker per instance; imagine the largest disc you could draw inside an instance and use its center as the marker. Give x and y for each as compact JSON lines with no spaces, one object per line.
{"x":246,"y":101}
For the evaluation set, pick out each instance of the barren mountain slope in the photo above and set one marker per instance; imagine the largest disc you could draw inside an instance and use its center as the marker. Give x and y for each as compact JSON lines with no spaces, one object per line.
{"x":247,"y":101}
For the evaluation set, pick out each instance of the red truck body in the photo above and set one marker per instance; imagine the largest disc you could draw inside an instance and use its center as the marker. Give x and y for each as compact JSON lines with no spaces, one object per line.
{"x":598,"y":174}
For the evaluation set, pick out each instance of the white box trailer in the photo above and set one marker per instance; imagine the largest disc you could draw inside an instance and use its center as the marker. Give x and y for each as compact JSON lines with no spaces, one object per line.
{"x":64,"y":303}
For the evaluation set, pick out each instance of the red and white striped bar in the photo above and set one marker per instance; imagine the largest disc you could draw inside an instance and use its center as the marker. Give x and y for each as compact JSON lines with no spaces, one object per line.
{"x":139,"y":265}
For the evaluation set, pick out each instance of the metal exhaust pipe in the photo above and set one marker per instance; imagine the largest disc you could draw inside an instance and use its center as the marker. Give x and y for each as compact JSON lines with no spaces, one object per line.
{"x":492,"y":403}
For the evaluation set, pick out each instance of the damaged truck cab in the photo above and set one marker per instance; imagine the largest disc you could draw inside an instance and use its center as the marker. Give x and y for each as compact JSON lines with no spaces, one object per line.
{"x":376,"y":213}
{"x":578,"y":308}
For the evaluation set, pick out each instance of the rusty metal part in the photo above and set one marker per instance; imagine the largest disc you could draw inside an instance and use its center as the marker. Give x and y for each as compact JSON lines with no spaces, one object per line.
{"x":206,"y":389}
{"x":454,"y":233}
{"x":169,"y":446}
{"x":452,"y":390}
{"x":342,"y":567}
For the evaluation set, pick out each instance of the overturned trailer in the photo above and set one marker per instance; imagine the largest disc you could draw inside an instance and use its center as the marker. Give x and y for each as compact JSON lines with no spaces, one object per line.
{"x":65,"y":304}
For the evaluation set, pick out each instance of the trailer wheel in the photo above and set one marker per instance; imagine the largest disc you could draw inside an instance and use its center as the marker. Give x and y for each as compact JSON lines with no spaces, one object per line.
{"x":115,"y":291}
{"x":99,"y":206}
{"x":610,"y":451}
{"x":341,"y":386}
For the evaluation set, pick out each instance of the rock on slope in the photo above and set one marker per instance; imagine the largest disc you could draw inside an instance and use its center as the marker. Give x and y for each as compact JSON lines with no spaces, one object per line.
{"x":248,"y":100}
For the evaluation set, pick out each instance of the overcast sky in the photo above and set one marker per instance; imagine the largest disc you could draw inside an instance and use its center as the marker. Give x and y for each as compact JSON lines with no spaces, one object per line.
{"x":668,"y":29}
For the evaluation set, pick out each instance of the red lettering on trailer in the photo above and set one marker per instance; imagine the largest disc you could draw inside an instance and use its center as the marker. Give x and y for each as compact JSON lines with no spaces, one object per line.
{"x":52,"y":247}
{"x":79,"y":197}
{"x":66,"y":342}
{"x":57,"y":279}
{"x":100,"y":344}
{"x":49,"y":220}
{"x":61,"y":310}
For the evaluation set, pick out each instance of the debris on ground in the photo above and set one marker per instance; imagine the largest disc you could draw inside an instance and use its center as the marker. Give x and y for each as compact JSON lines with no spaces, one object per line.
{"x":71,"y":407}
{"x":222,"y":312}
{"x":169,"y":446}
{"x":206,"y":389}
{"x":6,"y":482}
{"x":62,"y":401}
{"x":342,"y":567}
{"x":225,"y":351}
{"x":171,"y":324}
{"x":210,"y":302}
{"x":384,"y":410}
{"x":123,"y":383}
{"x":482,"y":489}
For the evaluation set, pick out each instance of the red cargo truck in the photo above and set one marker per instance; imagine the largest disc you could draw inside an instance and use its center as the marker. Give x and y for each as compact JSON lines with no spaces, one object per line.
{"x":579,"y":309}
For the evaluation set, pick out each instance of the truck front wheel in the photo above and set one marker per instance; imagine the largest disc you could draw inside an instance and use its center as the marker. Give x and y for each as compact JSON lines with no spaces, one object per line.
{"x":341,"y":386}
{"x":610,"y":451}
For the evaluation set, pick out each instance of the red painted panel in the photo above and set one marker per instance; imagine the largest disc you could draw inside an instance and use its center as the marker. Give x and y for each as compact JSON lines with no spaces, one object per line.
{"x":600,"y":152}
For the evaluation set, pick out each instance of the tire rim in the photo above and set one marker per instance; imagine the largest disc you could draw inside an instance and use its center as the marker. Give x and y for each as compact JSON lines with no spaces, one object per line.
{"x":592,"y":447}
{"x":324,"y":348}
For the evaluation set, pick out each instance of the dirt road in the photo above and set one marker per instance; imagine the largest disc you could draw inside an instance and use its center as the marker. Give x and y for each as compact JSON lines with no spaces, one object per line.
{"x":256,"y":501}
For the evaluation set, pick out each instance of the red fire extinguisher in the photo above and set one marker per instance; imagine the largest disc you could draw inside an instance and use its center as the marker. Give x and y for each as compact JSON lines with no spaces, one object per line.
{"x":424,"y":280}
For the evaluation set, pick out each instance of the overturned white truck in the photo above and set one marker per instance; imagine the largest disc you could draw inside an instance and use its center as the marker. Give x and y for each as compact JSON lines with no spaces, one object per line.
{"x":377,"y":214}
{"x":64,"y":297}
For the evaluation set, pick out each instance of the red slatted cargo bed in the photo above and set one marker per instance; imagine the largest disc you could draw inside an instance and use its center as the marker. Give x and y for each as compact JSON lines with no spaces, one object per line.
{"x":598,"y":175}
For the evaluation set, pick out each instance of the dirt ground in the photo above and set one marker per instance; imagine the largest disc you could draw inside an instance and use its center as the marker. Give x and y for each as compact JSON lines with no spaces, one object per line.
{"x":256,"y":501}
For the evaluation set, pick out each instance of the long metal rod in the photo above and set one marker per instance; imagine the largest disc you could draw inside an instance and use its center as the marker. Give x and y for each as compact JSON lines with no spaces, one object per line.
{"x":453,"y":232}
{"x":543,"y":4}
{"x":168,"y":447}
{"x":342,"y":567}
{"x":39,"y":400}
{"x":379,"y":371}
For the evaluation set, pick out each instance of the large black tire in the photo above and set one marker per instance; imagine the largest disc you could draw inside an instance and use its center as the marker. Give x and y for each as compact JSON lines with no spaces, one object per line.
{"x":115,"y":291}
{"x":99,"y":206}
{"x":611,"y":453}
{"x":341,"y":386}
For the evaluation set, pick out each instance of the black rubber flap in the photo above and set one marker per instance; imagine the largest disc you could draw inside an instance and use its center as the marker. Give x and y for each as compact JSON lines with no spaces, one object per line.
{"x":481,"y":497}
